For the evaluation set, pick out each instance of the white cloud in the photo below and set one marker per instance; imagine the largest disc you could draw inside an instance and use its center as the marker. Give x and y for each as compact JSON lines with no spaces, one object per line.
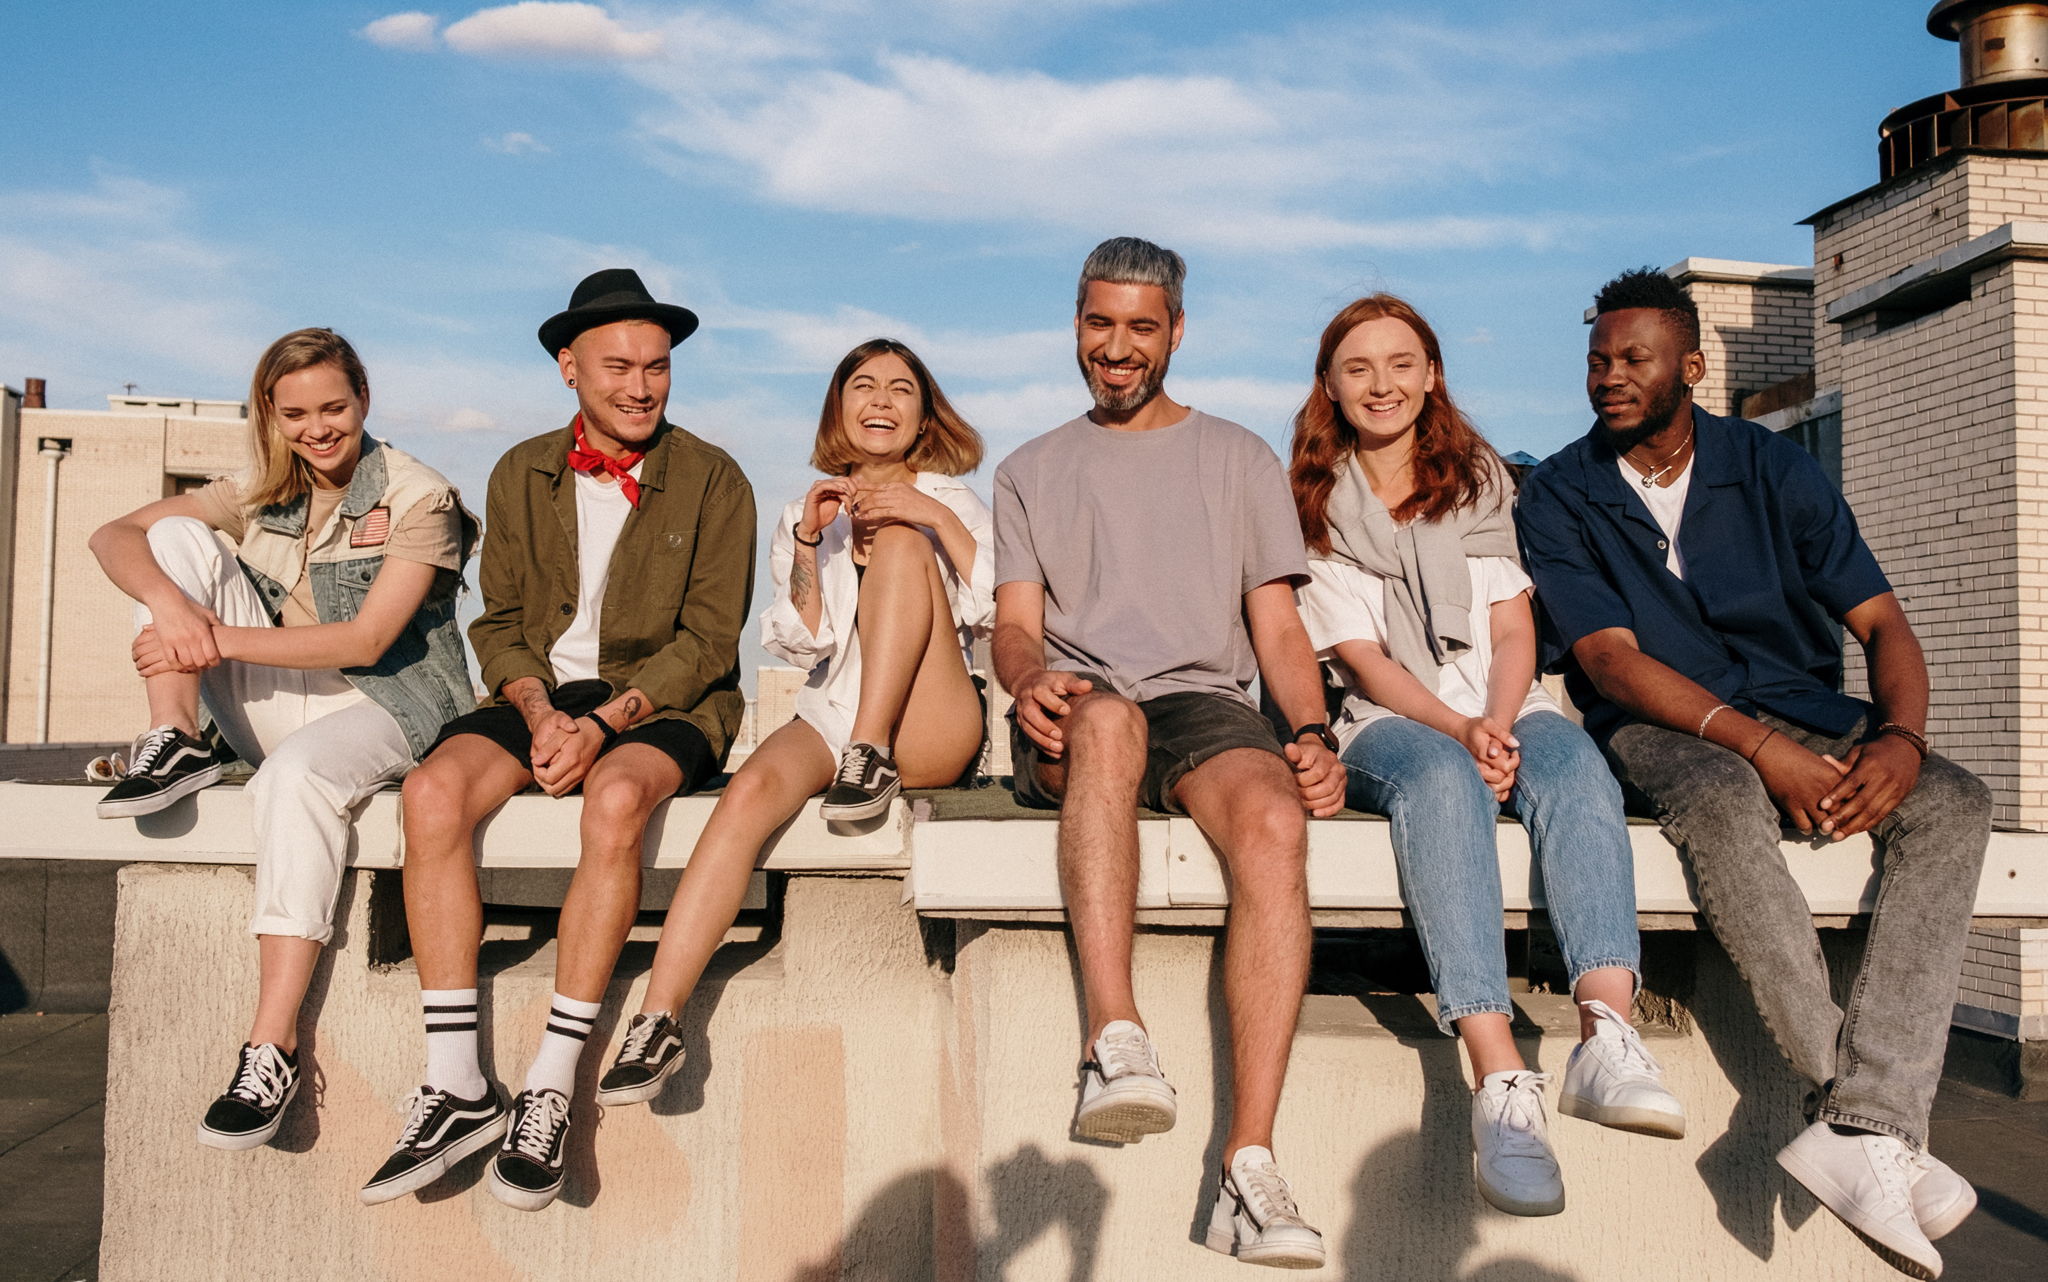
{"x":517,"y":143}
{"x":545,"y":29}
{"x":412,"y":30}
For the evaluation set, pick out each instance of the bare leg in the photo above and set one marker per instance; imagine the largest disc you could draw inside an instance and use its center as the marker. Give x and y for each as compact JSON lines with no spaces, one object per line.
{"x":788,"y":767}
{"x":1245,"y":800}
{"x":445,"y":798}
{"x":1098,"y":846}
{"x":906,"y":634}
{"x":173,"y":701}
{"x":1489,"y":1045}
{"x":286,"y":968}
{"x":619,"y":794}
{"x":937,"y":729}
{"x":1611,"y":984}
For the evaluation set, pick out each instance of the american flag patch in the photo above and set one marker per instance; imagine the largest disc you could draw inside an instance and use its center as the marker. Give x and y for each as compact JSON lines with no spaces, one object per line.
{"x":372,"y":530}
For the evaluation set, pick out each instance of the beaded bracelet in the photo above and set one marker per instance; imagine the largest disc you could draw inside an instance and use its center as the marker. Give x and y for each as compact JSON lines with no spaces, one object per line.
{"x":1718,"y":708}
{"x":1914,"y":737}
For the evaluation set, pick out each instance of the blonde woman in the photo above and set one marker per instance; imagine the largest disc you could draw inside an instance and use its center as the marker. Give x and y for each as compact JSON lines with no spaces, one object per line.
{"x":884,"y":574}
{"x":310,"y":604}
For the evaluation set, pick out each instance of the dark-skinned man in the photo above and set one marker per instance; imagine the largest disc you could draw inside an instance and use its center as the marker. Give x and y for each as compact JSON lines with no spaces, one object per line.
{"x":1690,"y":571}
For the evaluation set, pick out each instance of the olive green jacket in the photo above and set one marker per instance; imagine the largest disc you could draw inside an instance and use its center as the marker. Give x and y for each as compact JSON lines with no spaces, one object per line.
{"x":682,"y":578}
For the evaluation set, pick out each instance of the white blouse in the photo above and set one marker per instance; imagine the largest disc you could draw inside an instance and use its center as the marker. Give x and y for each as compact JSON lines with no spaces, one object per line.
{"x":832,"y":654}
{"x":1344,"y":603}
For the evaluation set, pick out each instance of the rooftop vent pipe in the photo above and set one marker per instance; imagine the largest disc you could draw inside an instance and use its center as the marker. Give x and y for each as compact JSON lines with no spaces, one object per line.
{"x":1999,"y":41}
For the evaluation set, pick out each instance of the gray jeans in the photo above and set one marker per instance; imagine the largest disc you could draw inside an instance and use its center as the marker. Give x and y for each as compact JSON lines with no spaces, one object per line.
{"x":1878,"y":1063}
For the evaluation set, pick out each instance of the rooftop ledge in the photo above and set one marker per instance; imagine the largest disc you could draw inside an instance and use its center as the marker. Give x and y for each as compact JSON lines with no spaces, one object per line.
{"x":976,"y":853}
{"x":1944,"y":278}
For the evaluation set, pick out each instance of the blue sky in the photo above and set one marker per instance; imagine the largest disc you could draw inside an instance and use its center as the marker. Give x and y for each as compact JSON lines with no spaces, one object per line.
{"x":182,"y":182}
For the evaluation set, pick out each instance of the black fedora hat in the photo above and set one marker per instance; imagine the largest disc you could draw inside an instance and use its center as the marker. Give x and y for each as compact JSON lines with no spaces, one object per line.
{"x":614,"y":294}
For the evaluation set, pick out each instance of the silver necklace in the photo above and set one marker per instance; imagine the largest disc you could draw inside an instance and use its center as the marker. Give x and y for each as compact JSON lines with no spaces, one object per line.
{"x":1650,"y":478}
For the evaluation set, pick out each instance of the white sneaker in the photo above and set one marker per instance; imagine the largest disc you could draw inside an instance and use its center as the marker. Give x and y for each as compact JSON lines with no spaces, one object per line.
{"x":1867,"y":1181}
{"x":1511,"y":1142}
{"x":1124,"y":1096}
{"x":1942,"y":1199}
{"x":1255,"y":1217}
{"x":1611,"y":1079}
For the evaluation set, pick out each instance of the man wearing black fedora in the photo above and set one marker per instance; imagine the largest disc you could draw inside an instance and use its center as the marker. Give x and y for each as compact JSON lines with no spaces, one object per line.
{"x":617,"y":566}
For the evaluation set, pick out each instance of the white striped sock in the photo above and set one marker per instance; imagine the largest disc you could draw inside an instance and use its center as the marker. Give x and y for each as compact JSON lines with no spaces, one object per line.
{"x":451,"y":1041}
{"x":569,"y":1025}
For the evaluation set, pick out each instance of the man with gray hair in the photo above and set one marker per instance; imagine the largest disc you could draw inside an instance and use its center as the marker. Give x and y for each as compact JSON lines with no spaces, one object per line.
{"x":1146,"y":558}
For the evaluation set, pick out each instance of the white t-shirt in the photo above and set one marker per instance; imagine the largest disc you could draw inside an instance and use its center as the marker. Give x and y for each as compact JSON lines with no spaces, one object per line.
{"x":601,"y":512}
{"x":1344,"y":603}
{"x":1667,"y":504}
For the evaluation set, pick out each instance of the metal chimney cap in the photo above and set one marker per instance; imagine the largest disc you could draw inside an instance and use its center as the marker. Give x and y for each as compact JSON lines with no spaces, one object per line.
{"x":1947,"y":18}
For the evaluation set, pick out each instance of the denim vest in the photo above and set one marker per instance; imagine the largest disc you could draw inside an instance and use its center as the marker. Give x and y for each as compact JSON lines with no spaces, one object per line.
{"x":422,"y":680}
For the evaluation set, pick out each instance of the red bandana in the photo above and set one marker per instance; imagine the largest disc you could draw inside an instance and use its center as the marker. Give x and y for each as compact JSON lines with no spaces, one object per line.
{"x":585,"y":459}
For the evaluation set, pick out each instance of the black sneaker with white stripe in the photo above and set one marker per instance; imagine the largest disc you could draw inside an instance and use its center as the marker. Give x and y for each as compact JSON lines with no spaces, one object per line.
{"x":248,"y":1113}
{"x":867,"y":783}
{"x":528,"y":1171}
{"x":168,"y":763}
{"x":440,"y":1130}
{"x":653,"y":1049}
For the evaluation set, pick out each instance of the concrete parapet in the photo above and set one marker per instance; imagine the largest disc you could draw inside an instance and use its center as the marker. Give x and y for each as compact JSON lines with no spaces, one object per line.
{"x":870,"y":1095}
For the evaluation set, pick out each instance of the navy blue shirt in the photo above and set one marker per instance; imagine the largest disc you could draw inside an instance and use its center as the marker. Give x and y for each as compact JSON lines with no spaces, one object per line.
{"x":1772,"y":562}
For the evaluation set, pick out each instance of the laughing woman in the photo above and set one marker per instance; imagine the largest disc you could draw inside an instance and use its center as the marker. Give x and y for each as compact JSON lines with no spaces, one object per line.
{"x":884,"y":574}
{"x":1418,"y":602}
{"x":320,"y":634}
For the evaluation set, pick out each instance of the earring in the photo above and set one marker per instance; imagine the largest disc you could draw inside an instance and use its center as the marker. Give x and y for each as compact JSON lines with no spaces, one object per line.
{"x":572,"y":382}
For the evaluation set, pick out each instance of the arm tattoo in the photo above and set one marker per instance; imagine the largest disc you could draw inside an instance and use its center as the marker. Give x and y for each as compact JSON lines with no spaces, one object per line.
{"x":801,"y":580}
{"x":632,"y":708}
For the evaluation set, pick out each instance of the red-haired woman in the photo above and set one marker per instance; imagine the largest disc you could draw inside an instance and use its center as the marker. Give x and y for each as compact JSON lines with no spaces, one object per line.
{"x":1419,"y":606}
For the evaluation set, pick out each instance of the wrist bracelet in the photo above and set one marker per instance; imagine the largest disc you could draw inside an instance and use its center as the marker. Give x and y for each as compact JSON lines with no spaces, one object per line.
{"x":1751,"y":758}
{"x":1914,"y":737}
{"x":794,"y":526}
{"x":1712,"y":712}
{"x":611,"y":736}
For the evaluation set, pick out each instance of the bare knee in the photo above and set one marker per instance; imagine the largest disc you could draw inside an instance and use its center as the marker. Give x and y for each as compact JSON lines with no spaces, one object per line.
{"x":435,"y":802}
{"x":1267,"y":849}
{"x":899,"y":541}
{"x":616,"y":806}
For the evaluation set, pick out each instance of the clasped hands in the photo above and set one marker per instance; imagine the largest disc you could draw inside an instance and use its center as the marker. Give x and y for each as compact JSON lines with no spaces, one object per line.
{"x":178,"y":639}
{"x":1838,"y":797}
{"x":897,"y":503}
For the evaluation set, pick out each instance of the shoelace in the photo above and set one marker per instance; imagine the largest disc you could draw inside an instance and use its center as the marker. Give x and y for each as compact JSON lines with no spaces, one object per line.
{"x":263,"y":1077}
{"x":1635,"y":1059}
{"x":148,"y":749}
{"x":1127,"y":1053}
{"x":1270,"y":1197}
{"x":638,"y":1035}
{"x":1521,"y":1112}
{"x":854,"y":769}
{"x":537,"y":1126}
{"x":419,"y":1106}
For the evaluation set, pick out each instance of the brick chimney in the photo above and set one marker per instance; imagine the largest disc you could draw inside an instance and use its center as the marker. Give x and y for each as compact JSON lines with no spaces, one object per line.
{"x":32,"y":394}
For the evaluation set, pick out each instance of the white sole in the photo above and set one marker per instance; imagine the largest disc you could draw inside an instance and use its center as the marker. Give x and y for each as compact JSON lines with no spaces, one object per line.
{"x":1222,"y":1239}
{"x":856,"y":813}
{"x":1829,"y":1194}
{"x":427,"y":1172}
{"x":149,"y":805}
{"x":1952,"y":1219}
{"x":248,"y":1139}
{"x":1500,"y":1201}
{"x":644,"y":1091}
{"x":1127,"y":1118}
{"x":1640,"y":1121}
{"x":522,"y":1199}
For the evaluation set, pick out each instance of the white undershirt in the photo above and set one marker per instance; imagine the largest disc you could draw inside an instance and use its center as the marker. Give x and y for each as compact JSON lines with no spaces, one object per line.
{"x":601,"y":512}
{"x":1667,"y":504}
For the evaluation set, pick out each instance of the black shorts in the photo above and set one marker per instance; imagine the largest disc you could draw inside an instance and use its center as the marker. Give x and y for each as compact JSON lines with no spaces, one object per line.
{"x":1183,"y":730}
{"x":503,"y":725}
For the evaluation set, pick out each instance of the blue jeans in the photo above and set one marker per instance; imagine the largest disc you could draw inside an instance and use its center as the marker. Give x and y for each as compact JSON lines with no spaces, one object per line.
{"x":1444,"y":817}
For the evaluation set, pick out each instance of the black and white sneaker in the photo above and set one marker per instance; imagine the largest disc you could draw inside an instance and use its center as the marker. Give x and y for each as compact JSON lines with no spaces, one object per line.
{"x":528,"y":1171}
{"x":653,"y":1049}
{"x":247,"y":1115}
{"x":168,"y":763}
{"x":867,"y":783}
{"x":440,"y":1130}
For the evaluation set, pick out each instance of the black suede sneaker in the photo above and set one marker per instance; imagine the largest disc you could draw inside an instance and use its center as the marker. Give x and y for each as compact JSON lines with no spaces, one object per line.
{"x":867,"y":783}
{"x":528,"y":1171}
{"x":248,"y":1114}
{"x":653,"y":1049}
{"x":168,"y":763}
{"x":440,"y":1130}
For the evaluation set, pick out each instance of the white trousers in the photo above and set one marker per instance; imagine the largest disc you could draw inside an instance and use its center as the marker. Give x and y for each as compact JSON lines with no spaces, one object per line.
{"x":319,"y":745}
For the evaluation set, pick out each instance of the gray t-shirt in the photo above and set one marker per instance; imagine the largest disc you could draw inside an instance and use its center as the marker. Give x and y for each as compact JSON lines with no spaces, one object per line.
{"x":1146,"y":543}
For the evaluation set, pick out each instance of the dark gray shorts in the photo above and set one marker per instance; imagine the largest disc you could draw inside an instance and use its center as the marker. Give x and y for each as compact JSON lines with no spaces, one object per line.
{"x":1183,"y":731}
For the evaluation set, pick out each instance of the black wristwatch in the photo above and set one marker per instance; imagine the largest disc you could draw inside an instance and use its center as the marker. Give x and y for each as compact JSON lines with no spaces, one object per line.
{"x":611,"y":736}
{"x":1321,"y":730}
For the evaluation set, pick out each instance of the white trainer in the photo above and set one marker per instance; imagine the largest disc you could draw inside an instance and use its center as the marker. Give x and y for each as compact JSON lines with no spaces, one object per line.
{"x":1124,"y":1096}
{"x":1867,"y":1181}
{"x":1611,"y":1079}
{"x":1511,"y":1142}
{"x":1255,"y":1217}
{"x":1942,"y":1199}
